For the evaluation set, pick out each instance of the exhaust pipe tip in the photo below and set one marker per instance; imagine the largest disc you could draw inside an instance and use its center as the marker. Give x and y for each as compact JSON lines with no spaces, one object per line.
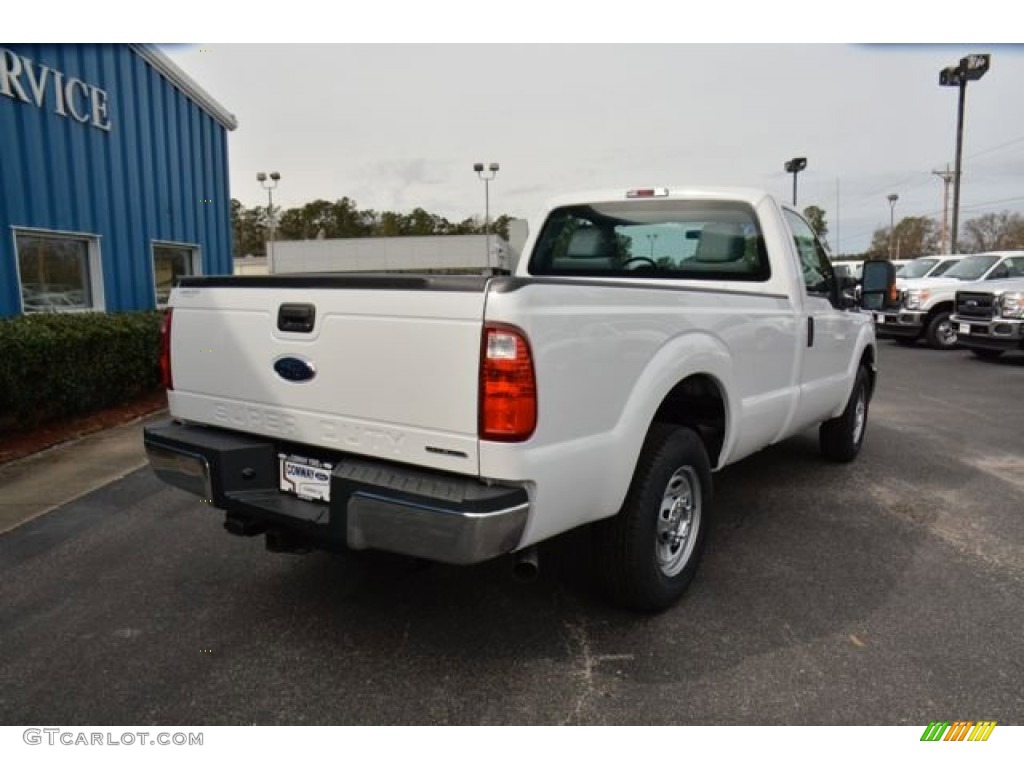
{"x":284,"y":542}
{"x":240,"y":526}
{"x":526,"y":567}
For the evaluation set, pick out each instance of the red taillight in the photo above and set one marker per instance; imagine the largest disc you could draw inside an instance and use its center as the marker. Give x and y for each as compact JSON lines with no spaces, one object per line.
{"x":508,"y":391}
{"x":166,"y":379}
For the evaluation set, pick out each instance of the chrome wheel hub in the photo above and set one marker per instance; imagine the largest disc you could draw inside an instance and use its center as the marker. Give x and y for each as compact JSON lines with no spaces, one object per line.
{"x":860,"y":414}
{"x":946,"y":334}
{"x":678,"y":521}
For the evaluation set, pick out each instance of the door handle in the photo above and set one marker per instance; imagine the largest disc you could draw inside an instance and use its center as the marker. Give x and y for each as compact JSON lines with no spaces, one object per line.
{"x":810,"y":331}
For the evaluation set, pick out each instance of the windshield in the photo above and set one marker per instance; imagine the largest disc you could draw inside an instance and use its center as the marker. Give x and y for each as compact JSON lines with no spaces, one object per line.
{"x":918,"y":267}
{"x":681,"y":239}
{"x":944,"y":267}
{"x":973,"y":267}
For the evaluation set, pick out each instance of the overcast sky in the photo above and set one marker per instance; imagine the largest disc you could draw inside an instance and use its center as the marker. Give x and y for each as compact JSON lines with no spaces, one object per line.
{"x":395,"y":127}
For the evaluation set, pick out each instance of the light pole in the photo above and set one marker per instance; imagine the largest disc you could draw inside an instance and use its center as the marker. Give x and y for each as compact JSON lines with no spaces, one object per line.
{"x":651,"y":240}
{"x":275,"y":177}
{"x":947,"y":178}
{"x":892,"y":198}
{"x":794,"y":166}
{"x":493,"y":169}
{"x":971,"y":67}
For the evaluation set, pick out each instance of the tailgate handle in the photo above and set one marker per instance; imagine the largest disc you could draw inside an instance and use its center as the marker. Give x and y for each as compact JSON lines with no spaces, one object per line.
{"x":297,"y":318}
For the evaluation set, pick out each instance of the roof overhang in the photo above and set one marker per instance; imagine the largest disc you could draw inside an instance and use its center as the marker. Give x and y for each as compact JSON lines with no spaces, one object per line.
{"x":162,"y":64}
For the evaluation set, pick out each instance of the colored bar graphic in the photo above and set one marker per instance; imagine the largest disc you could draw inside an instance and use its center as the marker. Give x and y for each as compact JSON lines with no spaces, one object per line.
{"x":982,"y":731}
{"x":934,"y":731}
{"x":959,"y":730}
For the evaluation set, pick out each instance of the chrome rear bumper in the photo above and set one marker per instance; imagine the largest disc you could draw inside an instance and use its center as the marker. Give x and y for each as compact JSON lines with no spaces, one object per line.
{"x":373,"y":504}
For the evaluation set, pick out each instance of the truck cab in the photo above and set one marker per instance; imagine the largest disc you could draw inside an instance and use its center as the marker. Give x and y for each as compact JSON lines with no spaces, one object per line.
{"x":926,"y":266}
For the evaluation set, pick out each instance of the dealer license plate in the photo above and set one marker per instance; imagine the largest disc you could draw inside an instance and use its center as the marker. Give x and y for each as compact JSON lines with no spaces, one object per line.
{"x":965,"y":329}
{"x":306,"y":478}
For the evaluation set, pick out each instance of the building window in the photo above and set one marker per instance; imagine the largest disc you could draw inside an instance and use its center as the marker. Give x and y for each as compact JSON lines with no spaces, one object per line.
{"x":58,"y":273}
{"x":170,"y":262}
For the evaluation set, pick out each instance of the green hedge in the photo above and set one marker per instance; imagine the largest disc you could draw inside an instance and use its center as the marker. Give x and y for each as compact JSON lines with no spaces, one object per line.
{"x":58,"y":365}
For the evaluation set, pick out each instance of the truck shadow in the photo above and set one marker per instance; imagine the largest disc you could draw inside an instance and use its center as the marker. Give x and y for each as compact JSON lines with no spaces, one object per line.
{"x":796,"y":554}
{"x":1009,"y":360}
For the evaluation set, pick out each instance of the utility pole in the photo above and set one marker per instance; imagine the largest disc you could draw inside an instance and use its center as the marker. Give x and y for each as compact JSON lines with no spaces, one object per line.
{"x":947,"y":178}
{"x":839,"y":248}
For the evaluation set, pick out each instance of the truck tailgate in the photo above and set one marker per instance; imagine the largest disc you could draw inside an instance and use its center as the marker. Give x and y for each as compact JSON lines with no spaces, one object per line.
{"x":394,"y":363}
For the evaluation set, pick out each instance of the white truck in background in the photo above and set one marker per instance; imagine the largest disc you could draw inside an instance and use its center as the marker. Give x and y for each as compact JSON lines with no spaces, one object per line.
{"x":989,"y":318}
{"x":647,"y":338}
{"x":927,"y":303}
{"x":926,"y":266}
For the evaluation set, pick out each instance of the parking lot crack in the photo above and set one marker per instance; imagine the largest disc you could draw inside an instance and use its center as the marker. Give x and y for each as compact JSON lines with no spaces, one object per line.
{"x":583,"y":668}
{"x":584,"y":665}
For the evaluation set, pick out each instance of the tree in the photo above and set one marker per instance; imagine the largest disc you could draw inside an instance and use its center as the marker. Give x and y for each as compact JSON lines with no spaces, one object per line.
{"x":306,"y":222}
{"x":816,"y":218}
{"x":993,"y":232}
{"x":500,"y":225}
{"x":343,"y":218}
{"x":248,"y":229}
{"x":349,"y":221}
{"x":912,"y":236}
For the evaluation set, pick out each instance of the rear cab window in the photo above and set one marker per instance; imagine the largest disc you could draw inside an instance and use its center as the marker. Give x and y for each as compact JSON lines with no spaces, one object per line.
{"x":653,"y":239}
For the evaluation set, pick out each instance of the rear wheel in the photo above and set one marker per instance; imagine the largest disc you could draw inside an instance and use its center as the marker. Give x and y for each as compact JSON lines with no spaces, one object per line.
{"x":840,"y":438}
{"x":648,"y":553}
{"x":987,"y":354}
{"x":940,"y":334}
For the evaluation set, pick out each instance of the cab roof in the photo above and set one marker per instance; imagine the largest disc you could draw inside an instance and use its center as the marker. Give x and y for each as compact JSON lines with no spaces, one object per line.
{"x":639,"y":194}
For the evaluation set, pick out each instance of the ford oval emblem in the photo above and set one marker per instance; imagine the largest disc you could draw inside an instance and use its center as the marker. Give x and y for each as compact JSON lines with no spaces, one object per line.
{"x":294,"y":369}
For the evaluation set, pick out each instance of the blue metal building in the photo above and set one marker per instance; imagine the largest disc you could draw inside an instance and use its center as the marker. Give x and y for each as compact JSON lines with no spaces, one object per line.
{"x":113,"y":178}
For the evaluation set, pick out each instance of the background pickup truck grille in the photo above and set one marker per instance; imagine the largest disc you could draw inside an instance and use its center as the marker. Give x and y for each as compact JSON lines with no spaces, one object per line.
{"x":974,"y":305}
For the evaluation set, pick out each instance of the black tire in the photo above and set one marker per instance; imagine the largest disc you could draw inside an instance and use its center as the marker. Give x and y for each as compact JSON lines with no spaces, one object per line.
{"x":840,"y":438}
{"x":987,"y":354}
{"x":940,"y":334}
{"x":648,"y":553}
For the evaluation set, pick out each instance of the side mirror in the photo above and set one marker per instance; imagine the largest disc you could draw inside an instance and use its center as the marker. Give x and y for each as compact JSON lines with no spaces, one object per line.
{"x":878,"y":285}
{"x":849,"y":291}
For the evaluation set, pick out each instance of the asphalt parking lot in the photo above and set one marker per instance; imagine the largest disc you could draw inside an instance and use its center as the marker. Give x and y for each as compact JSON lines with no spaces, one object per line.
{"x":889,"y":591}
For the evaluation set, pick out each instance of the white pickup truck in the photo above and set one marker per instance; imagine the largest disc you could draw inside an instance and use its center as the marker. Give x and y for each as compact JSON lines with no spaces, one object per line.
{"x":989,"y":317}
{"x":647,"y":338}
{"x":927,"y":303}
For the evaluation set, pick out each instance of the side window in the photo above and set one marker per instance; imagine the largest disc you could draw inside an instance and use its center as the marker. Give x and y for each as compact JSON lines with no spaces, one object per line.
{"x":819,"y":279}
{"x":1016,"y":266}
{"x":1000,"y":272}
